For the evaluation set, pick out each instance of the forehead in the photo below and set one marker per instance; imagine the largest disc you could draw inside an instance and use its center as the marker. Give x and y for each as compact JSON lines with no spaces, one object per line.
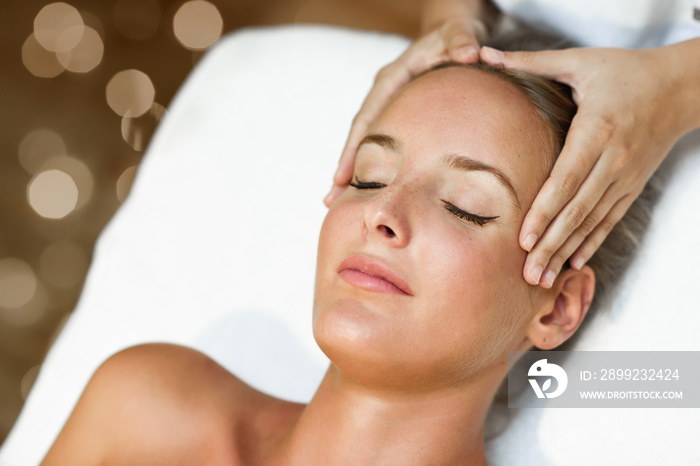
{"x":470,"y":112}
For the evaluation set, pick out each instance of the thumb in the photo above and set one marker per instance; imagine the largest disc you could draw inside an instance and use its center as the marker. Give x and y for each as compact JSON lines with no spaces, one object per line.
{"x":460,"y":41}
{"x":463,"y":48}
{"x":552,"y":64}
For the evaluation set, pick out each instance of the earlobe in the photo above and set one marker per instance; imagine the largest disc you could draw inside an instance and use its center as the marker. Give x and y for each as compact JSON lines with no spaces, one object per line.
{"x":564,"y":309}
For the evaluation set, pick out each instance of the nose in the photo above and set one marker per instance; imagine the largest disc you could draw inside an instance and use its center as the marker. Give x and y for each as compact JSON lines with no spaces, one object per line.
{"x":387,"y":218}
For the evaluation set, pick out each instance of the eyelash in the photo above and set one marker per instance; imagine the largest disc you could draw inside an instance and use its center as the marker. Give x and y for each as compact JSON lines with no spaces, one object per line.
{"x":357,"y":184}
{"x":456,"y":211}
{"x":464,"y":215}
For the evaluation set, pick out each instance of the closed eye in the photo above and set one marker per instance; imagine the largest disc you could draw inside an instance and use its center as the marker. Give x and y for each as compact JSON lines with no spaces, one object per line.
{"x":464,"y":215}
{"x":357,"y":184}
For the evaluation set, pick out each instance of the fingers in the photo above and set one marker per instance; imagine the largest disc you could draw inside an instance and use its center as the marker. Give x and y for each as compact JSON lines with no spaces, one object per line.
{"x":552,"y":64}
{"x":577,"y":159}
{"x":388,"y":81}
{"x":591,"y":244}
{"x":586,"y":240}
{"x":565,"y":234}
{"x":544,"y":263}
{"x":461,"y":44}
{"x":454,"y":41}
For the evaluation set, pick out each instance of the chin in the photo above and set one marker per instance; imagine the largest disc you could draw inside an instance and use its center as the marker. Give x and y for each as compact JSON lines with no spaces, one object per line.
{"x":359,"y":342}
{"x":376,"y":351}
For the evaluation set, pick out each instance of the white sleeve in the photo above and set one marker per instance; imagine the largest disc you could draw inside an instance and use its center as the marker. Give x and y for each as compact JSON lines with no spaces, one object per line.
{"x":605,"y":23}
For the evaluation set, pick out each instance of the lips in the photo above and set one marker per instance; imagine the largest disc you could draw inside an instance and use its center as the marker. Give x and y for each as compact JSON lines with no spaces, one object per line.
{"x":371,"y":275}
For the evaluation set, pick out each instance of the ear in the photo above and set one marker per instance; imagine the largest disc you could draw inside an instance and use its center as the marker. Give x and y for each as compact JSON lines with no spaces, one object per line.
{"x":563,"y":310}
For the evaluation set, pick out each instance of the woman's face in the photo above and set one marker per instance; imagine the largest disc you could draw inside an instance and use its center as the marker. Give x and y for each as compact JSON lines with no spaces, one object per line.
{"x":419,"y":275}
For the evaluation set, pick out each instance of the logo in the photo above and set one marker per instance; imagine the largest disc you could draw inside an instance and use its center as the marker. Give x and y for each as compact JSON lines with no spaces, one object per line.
{"x":543,"y":369}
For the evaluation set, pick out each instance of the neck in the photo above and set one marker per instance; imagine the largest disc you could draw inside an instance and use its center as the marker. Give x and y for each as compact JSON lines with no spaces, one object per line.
{"x":346,"y":423}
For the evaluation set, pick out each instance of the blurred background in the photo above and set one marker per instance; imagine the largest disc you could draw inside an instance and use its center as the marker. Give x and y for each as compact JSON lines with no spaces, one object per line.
{"x":83,"y":85}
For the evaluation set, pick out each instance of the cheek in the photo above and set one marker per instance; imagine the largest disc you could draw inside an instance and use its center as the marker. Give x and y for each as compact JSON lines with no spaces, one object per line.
{"x":339,"y":229}
{"x":476,"y":262}
{"x":338,"y":233}
{"x":481,"y":292}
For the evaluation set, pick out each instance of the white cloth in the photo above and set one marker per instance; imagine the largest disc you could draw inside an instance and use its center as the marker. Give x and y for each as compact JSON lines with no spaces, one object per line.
{"x":215,"y":248}
{"x":612,"y":23}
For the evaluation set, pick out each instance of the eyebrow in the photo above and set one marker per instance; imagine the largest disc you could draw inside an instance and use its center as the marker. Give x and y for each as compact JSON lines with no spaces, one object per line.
{"x":459,"y":162}
{"x":384,"y":140}
{"x":467,"y":164}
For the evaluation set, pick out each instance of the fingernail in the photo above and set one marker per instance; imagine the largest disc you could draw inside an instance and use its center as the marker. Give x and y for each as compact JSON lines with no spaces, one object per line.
{"x":465,"y":52}
{"x":530,"y":241}
{"x":536,"y":273}
{"x":548,"y":279}
{"x":493,"y":54}
{"x":578,"y":263}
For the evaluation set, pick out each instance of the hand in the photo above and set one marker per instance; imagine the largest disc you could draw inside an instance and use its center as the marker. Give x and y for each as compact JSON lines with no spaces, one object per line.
{"x":455,"y":40}
{"x":631,"y":111}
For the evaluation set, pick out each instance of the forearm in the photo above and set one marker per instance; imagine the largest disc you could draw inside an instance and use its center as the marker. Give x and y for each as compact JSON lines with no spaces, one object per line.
{"x":435,"y":12}
{"x":685,"y":82}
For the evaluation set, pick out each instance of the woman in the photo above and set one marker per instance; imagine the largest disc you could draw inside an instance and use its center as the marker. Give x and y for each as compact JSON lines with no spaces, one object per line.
{"x":623,"y":130}
{"x":419,"y":297}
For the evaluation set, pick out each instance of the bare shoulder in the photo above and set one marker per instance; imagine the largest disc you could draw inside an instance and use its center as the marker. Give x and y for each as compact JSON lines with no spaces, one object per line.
{"x":168,"y":404}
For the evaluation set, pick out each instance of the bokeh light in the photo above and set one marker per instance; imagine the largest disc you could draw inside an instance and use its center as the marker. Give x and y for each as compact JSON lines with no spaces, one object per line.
{"x":137,"y":19}
{"x":38,"y":146}
{"x":125,"y":181}
{"x":17,"y":283}
{"x":62,"y":41}
{"x":63,"y":264}
{"x":137,"y":132}
{"x":30,"y":313}
{"x":78,"y":171}
{"x":53,"y":194}
{"x":197,"y":24}
{"x":86,"y":54}
{"x":58,"y":27}
{"x":39,"y":61}
{"x":93,"y":22}
{"x":130,"y":91}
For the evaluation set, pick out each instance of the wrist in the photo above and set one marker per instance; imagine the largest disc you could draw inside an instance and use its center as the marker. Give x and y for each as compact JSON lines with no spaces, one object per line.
{"x":684,"y":83}
{"x":481,"y":14}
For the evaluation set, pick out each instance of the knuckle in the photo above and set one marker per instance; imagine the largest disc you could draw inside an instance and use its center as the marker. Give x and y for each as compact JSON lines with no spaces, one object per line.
{"x":542,"y":218}
{"x":568,"y":185}
{"x":624,"y":158}
{"x":546,"y":251}
{"x":588,"y":224}
{"x":606,"y":227}
{"x":526,"y":58}
{"x":556,"y":261}
{"x":605,"y":128}
{"x":459,"y":39}
{"x":574,"y":216}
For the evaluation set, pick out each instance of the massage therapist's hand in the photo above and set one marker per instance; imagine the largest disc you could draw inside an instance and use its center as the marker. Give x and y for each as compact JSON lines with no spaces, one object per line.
{"x":633,"y":105}
{"x":455,"y":40}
